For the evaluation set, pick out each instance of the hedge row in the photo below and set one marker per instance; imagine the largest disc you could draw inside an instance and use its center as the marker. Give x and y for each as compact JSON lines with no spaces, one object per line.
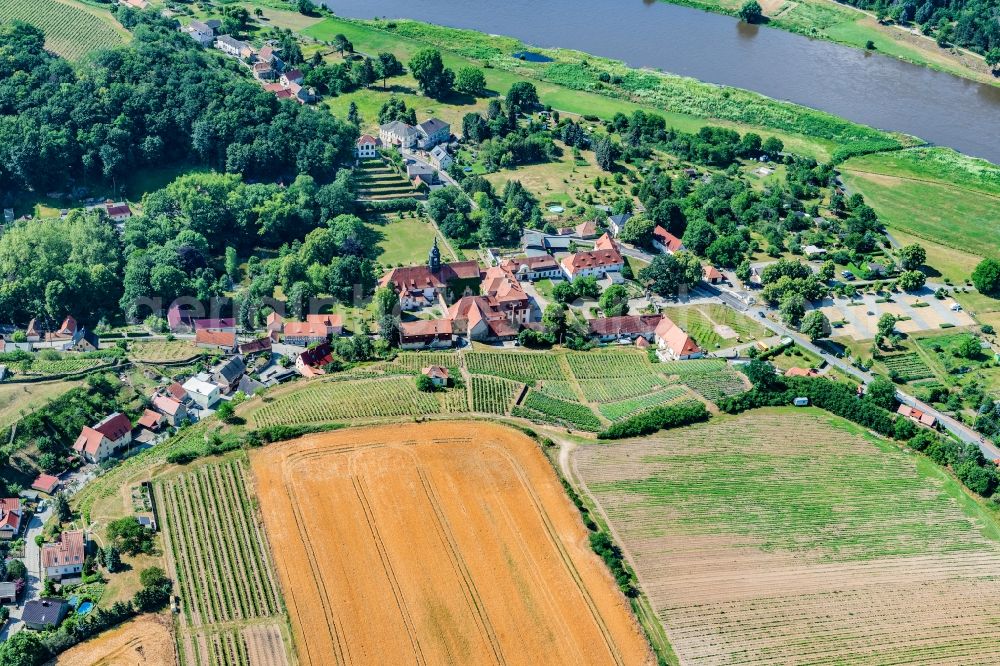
{"x":658,"y":418}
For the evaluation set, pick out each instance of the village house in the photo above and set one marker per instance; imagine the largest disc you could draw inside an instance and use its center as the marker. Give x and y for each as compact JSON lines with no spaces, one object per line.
{"x":440,"y":158}
{"x":666,"y":242}
{"x":617,"y":222}
{"x":173,"y":410}
{"x":44,"y":614}
{"x":83,"y":341}
{"x":199,"y":32}
{"x":419,"y":174}
{"x":151,"y":420}
{"x":34,"y":331}
{"x":99,"y":443}
{"x":66,"y":332}
{"x":367,"y":147}
{"x":398,"y":133}
{"x":210,"y":339}
{"x":334,"y":323}
{"x":431,"y":132}
{"x":177,"y":392}
{"x":305,"y":333}
{"x":274,"y":323}
{"x":227,"y":374}
{"x":230,"y":46}
{"x":118,"y":212}
{"x":917,"y":416}
{"x":629,"y":327}
{"x":712,"y":275}
{"x":64,"y":558}
{"x":290,"y":76}
{"x":259,"y":346}
{"x":439,"y":376}
{"x":310,"y":363}
{"x":673,"y":344}
{"x":532,"y":268}
{"x":603,"y":259}
{"x":424,"y":286}
{"x":10,"y":518}
{"x":426,"y":334}
{"x":202,"y":392}
{"x":587,"y":230}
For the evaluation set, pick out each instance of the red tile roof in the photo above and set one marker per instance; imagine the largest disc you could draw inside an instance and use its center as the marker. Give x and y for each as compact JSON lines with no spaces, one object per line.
{"x":89,"y":441}
{"x":667,"y":239}
{"x":305,"y":329}
{"x":425,"y":328}
{"x":217,"y":338}
{"x":68,"y":550}
{"x":10,"y":514}
{"x":421,"y":277}
{"x":45,"y":483}
{"x":712,"y":273}
{"x":675,"y":339}
{"x":627,"y":325}
{"x":150,"y":419}
{"x":368,"y":140}
{"x":436,"y":372}
{"x":114,"y":427}
{"x":177,"y":392}
{"x":167,"y":404}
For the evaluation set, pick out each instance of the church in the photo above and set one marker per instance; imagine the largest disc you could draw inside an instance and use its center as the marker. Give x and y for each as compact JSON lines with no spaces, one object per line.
{"x":434,"y":283}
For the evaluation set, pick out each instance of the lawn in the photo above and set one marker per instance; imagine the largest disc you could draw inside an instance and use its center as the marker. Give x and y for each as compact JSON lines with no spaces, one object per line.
{"x":72,"y":29}
{"x":16,"y":400}
{"x":715,"y":326}
{"x":405,"y":240}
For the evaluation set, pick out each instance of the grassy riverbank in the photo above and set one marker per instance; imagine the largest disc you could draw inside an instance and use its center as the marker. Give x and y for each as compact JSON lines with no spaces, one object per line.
{"x":832,"y":21}
{"x":589,"y":85}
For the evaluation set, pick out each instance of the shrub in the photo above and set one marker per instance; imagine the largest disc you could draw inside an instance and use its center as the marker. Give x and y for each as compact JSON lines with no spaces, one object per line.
{"x":659,"y":418}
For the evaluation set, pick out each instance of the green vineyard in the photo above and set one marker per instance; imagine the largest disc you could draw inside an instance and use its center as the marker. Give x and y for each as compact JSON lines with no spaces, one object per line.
{"x":907,"y":366}
{"x":614,"y":411}
{"x":494,"y":395}
{"x":71,"y":29}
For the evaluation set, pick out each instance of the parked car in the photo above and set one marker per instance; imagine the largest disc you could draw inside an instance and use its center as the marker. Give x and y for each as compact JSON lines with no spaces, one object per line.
{"x":847,"y":275}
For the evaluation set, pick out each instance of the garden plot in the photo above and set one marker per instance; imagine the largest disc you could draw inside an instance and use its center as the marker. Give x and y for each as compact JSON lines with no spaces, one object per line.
{"x":437,"y":543}
{"x":786,"y":536}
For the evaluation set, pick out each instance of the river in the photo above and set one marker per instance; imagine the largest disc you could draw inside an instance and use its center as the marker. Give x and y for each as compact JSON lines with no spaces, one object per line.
{"x":867,"y":88}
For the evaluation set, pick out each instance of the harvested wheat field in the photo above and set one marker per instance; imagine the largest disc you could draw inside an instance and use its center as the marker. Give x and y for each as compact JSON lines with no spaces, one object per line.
{"x":145,"y":640}
{"x":436,"y":543}
{"x":787,"y":536}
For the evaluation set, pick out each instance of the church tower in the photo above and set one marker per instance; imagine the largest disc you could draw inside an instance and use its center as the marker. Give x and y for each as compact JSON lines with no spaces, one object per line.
{"x":434,"y":257}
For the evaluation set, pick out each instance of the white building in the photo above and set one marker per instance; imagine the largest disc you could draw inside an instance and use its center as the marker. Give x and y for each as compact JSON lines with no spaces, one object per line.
{"x":398,"y":133}
{"x":367,"y":147}
{"x":431,"y":132}
{"x":64,"y":557}
{"x":203,"y":392}
{"x":230,"y":46}
{"x":440,"y":158}
{"x":199,"y":32}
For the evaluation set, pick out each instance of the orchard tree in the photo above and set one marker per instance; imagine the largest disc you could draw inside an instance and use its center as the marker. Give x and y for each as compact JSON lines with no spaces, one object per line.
{"x":389,"y":66}
{"x":816,"y":325}
{"x":554,"y":320}
{"x":522,"y":96}
{"x":471,"y":81}
{"x":605,"y":153}
{"x":886,"y":325}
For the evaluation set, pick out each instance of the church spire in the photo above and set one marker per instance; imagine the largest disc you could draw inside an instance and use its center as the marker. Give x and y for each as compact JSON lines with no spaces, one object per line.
{"x":434,"y":257}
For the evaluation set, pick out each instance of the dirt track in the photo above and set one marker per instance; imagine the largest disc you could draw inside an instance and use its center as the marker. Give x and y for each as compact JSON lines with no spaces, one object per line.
{"x":436,"y":543}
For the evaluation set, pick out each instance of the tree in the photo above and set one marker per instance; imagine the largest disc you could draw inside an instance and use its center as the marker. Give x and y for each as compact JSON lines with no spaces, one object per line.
{"x":638,"y":230}
{"x":760,"y":373}
{"x":605,"y":153}
{"x":554,"y":320}
{"x":881,"y":392}
{"x":353,"y":115}
{"x":63,"y":511}
{"x":112,"y":559}
{"x":912,"y":256}
{"x":389,"y":66}
{"x":911,"y":280}
{"x":16,"y":569}
{"x":342,"y":44}
{"x":751,"y":12}
{"x":563,"y":292}
{"x":993,"y":58}
{"x":968,"y":347}
{"x":586,"y":287}
{"x":425,"y":384}
{"x":793,"y":308}
{"x":669,"y":273}
{"x":225,"y":411}
{"x":129,"y":536}
{"x":886,"y":325}
{"x":614,"y":301}
{"x":471,"y":80}
{"x":986,"y":276}
{"x":522,"y":96}
{"x":306,"y":7}
{"x":816,"y":325}
{"x":153,"y":577}
{"x":428,"y":69}
{"x":772,"y":145}
{"x":24,"y":648}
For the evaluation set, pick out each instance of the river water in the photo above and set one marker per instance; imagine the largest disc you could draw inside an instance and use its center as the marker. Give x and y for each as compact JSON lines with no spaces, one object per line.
{"x":868,"y":88}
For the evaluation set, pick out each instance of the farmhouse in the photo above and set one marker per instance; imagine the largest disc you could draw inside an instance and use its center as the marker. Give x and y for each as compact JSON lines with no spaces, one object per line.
{"x":426,"y":334}
{"x":673,"y":343}
{"x":629,"y":327}
{"x":274,"y":323}
{"x":118,"y":212}
{"x":617,"y":222}
{"x":587,"y":230}
{"x":227,"y":374}
{"x":202,"y":392}
{"x":179,"y":318}
{"x":199,"y":32}
{"x":367,"y":147}
{"x":173,"y":410}
{"x":305,"y":333}
{"x":227,"y":324}
{"x":83,"y":341}
{"x":666,"y":242}
{"x":64,"y":557}
{"x":917,"y":416}
{"x":10,"y":518}
{"x":603,"y":259}
{"x":104,"y":439}
{"x":532,"y":268}
{"x":398,"y":133}
{"x":423,"y":286}
{"x":310,"y":362}
{"x":334,"y":323}
{"x":230,"y":45}
{"x":258,"y":346}
{"x":42,"y":614}
{"x":431,"y":132}
{"x":439,"y":376}
{"x":206,"y":339}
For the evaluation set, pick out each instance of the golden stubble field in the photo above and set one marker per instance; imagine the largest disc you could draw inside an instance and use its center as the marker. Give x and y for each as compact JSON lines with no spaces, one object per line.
{"x":144,"y":640}
{"x":436,"y":543}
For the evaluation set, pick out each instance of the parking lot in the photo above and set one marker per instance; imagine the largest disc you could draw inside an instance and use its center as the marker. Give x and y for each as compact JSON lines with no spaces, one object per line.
{"x":861,"y":325}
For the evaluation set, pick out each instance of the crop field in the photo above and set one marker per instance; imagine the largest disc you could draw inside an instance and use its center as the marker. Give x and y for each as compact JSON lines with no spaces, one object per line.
{"x":60,"y":366}
{"x":416,"y":361}
{"x":614,"y":411}
{"x":494,"y":395}
{"x":147,"y":635}
{"x":333,"y":400}
{"x":71,"y":29}
{"x":522,"y":367}
{"x":558,"y":389}
{"x":222,"y":564}
{"x":908,"y":366}
{"x":485,"y":561}
{"x":786,"y":536}
{"x":554,"y":410}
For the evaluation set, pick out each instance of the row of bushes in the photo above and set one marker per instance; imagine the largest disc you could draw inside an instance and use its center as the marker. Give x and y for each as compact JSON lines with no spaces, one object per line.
{"x":216,"y":444}
{"x":658,"y":418}
{"x":389,"y":205}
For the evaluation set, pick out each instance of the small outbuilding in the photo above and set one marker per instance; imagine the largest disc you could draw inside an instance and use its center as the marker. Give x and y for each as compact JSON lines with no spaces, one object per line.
{"x":438,"y":375}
